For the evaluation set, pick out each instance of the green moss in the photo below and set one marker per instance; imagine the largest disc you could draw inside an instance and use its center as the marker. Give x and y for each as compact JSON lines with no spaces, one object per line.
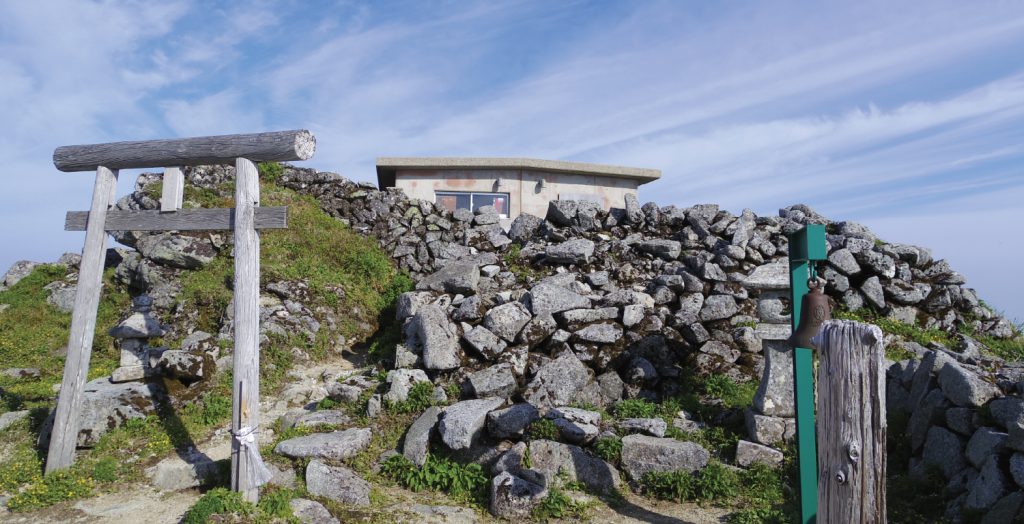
{"x":733,"y":394}
{"x":420,"y":398}
{"x":916,"y":333}
{"x":635,"y":408}
{"x":543,"y":429}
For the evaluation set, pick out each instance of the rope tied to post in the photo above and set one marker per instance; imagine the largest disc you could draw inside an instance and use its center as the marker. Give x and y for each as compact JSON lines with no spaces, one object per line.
{"x":258,"y":474}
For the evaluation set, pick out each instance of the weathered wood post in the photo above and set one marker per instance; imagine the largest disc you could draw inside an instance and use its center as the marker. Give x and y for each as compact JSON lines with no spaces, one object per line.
{"x":248,"y":471}
{"x":64,"y":437}
{"x":245,"y":404}
{"x":852,"y":427}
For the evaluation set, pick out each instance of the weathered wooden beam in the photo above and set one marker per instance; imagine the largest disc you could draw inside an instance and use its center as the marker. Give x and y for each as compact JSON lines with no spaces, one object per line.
{"x":245,"y":405}
{"x":852,"y":422}
{"x":181,"y":220}
{"x":278,"y":146}
{"x":173,"y":189}
{"x":64,"y":437}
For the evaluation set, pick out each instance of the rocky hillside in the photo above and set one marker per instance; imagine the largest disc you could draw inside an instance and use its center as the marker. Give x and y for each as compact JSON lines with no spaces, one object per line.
{"x":581,"y":352}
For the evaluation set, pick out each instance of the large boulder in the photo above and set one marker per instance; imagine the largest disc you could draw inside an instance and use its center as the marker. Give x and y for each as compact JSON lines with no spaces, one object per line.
{"x":337,"y":445}
{"x":495,"y":381}
{"x":557,"y":382}
{"x":642,"y":454}
{"x":551,"y":298}
{"x":507,"y":320}
{"x":337,"y":483}
{"x":524,"y":227}
{"x":438,"y":337}
{"x":554,"y":460}
{"x":176,"y":249}
{"x":417,"y":438}
{"x":513,"y":497}
{"x":964,"y":388}
{"x":458,"y":277}
{"x":512,"y":421}
{"x":575,"y":251}
{"x":661,"y":248}
{"x":17,"y":271}
{"x":106,"y":405}
{"x":464,"y":421}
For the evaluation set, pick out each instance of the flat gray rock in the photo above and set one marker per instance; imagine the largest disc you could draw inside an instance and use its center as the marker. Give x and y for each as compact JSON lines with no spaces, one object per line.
{"x":549,"y":298}
{"x":513,"y":497}
{"x":311,"y":512}
{"x":512,"y":421}
{"x":750,"y":453}
{"x":988,"y":487}
{"x":661,"y":248}
{"x":717,"y":307}
{"x":331,"y":417}
{"x":417,"y":438}
{"x":463,"y":422}
{"x":557,"y":382}
{"x":603,"y":333}
{"x":555,"y":459}
{"x":438,"y":337}
{"x":456,"y":277}
{"x":337,"y":445}
{"x":106,"y":405}
{"x":964,"y":388}
{"x":642,"y":454}
{"x":484,"y":342}
{"x":495,"y":381}
{"x":337,"y":483}
{"x":575,"y":251}
{"x":654,"y":427}
{"x":507,"y":320}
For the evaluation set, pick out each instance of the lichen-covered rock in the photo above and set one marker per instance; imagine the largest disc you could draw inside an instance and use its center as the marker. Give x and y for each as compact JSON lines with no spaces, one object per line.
{"x":575,"y":251}
{"x":512,"y":421}
{"x":495,"y":381}
{"x":654,"y":427}
{"x":750,"y":453}
{"x":550,"y":298}
{"x":106,"y":405}
{"x":513,"y":497}
{"x":557,"y":382}
{"x":463,"y":422}
{"x":401,"y":382}
{"x":964,"y":388}
{"x":336,"y":445}
{"x":176,"y":249}
{"x":484,"y":342}
{"x":337,"y":483}
{"x":458,"y":277}
{"x":507,"y":320}
{"x":416,"y":444}
{"x":554,"y":459}
{"x":438,"y":337}
{"x":642,"y":454}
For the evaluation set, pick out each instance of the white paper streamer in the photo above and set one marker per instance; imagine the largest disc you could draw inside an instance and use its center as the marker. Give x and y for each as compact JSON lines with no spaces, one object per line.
{"x":257,"y":474}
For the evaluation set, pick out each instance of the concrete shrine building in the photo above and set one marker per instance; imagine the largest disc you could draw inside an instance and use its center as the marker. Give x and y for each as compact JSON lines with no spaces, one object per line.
{"x":511,"y":185}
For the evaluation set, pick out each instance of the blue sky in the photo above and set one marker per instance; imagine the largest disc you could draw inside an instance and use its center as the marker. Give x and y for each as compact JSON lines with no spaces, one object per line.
{"x":905,"y":116}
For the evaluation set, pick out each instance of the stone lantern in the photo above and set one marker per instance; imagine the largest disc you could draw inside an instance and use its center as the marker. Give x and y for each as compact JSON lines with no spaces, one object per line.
{"x":132,"y":335}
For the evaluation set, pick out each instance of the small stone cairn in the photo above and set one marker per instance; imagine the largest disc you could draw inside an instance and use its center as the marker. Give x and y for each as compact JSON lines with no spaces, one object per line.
{"x":132,"y":338}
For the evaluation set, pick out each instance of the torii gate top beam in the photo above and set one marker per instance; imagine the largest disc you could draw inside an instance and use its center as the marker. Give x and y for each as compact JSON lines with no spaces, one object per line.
{"x":277,"y":146}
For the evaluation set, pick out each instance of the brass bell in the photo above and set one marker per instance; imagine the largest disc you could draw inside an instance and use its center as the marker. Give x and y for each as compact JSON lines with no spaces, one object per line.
{"x":814,"y":311}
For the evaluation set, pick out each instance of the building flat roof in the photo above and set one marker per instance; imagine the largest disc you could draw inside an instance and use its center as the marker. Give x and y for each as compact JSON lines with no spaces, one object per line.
{"x":387,"y":166}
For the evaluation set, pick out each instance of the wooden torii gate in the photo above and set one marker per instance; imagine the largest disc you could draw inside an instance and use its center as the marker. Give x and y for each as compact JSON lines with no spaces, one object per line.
{"x":245,"y":219}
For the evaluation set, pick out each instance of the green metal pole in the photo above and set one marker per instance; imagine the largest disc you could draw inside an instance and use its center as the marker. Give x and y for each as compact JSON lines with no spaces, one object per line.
{"x":805,"y":246}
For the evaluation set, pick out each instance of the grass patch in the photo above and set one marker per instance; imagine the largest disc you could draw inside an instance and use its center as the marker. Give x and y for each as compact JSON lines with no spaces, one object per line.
{"x":543,"y":429}
{"x":31,"y":332}
{"x":921,"y":335}
{"x":635,"y":408}
{"x":421,"y":397}
{"x":609,"y":449}
{"x":464,"y":482}
{"x":733,"y":394}
{"x":558,"y":505}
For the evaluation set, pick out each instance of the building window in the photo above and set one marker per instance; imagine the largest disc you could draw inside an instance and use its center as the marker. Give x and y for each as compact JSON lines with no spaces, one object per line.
{"x":451,"y":201}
